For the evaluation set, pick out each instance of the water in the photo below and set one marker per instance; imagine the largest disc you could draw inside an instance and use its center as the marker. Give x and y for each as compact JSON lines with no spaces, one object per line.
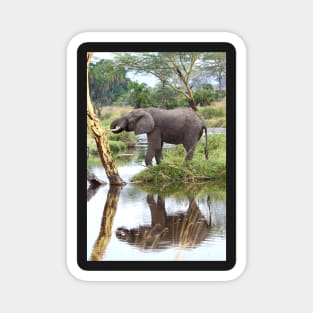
{"x":130,"y":223}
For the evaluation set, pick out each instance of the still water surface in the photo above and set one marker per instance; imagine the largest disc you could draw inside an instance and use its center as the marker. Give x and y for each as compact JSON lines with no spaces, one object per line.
{"x":129,"y":223}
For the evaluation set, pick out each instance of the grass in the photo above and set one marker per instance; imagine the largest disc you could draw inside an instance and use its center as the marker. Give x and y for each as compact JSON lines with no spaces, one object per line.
{"x":215,"y":114}
{"x":128,"y":139}
{"x":109,"y":114}
{"x":183,"y":190}
{"x":174,"y":169}
{"x":116,"y":147}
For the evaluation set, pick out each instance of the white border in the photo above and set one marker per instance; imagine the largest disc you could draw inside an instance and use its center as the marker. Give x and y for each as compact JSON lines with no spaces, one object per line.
{"x":239,"y":45}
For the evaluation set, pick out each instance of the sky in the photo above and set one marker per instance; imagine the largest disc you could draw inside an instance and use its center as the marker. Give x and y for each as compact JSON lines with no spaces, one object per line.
{"x":149,"y":79}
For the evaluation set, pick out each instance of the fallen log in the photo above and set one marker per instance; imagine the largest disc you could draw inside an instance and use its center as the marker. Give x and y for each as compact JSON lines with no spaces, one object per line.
{"x":93,"y":179}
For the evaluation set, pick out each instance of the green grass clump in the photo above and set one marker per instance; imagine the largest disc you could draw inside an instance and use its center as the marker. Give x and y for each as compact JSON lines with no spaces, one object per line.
{"x":209,"y":112}
{"x":183,"y":190}
{"x":127,"y":138}
{"x":117,"y":146}
{"x":215,"y":114}
{"x":174,"y":169}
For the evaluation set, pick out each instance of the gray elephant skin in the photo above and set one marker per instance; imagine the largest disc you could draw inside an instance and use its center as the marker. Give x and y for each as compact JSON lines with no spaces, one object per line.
{"x":177,"y":126}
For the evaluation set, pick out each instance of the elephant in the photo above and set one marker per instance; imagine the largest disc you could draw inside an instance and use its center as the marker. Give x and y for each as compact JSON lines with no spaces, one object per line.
{"x":186,"y":230}
{"x":176,"y":126}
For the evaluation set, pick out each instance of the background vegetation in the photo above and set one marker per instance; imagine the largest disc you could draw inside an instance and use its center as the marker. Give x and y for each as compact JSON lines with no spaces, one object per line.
{"x":183,"y":79}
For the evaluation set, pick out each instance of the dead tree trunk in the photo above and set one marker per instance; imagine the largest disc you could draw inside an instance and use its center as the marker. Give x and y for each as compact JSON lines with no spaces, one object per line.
{"x":101,"y":139}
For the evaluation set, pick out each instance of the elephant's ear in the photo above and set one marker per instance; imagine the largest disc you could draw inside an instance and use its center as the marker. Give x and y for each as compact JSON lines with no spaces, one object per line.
{"x":144,"y":124}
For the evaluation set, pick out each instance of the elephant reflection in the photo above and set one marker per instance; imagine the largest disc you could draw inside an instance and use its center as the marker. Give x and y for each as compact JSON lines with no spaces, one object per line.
{"x":186,"y":230}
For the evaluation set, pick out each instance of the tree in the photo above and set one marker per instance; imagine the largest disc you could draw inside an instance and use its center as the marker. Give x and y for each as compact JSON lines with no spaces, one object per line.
{"x":139,"y":95}
{"x":174,"y":69}
{"x":165,"y":97}
{"x":107,"y":82}
{"x":100,"y":137}
{"x":205,"y":95}
{"x":214,"y":63}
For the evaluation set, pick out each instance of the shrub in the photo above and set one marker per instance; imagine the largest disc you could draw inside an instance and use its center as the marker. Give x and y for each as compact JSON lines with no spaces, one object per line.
{"x":128,"y":138}
{"x":204,"y":96}
{"x":117,"y":146}
{"x":175,"y":169}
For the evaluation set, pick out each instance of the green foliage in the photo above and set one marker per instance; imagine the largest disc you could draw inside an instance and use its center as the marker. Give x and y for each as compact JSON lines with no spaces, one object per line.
{"x":107,"y":82}
{"x":214,"y":65}
{"x":208,"y":112}
{"x":127,"y":138}
{"x":205,"y":95}
{"x":165,"y":97}
{"x":184,"y":80}
{"x":117,"y":146}
{"x":173,"y":69}
{"x":180,"y":190}
{"x":175,"y":169}
{"x":220,"y":94}
{"x":140,"y":95}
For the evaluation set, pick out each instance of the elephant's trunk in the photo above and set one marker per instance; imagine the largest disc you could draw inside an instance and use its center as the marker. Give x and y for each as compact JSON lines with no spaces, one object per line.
{"x":117,"y":126}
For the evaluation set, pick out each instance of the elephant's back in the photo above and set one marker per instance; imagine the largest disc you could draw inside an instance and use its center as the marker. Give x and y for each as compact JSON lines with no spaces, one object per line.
{"x":176,"y":118}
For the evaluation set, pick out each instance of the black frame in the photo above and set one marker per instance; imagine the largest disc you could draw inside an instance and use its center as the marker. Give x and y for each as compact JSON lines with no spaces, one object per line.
{"x":82,"y":261}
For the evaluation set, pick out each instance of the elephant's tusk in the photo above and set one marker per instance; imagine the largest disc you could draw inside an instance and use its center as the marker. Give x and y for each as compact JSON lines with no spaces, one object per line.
{"x":115,"y":129}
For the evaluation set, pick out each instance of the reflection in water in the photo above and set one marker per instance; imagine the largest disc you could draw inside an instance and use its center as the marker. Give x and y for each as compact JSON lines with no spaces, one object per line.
{"x":185,"y":230}
{"x":106,"y":223}
{"x":94,"y":184}
{"x":165,"y":222}
{"x":92,"y":190}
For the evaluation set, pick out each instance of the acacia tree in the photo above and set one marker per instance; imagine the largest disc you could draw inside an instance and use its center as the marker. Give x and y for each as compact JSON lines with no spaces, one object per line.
{"x":174,"y":69}
{"x":214,"y":63}
{"x":101,"y":139}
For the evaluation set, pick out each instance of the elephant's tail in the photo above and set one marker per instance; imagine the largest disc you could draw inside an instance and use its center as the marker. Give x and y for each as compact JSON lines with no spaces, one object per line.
{"x":206,"y":151}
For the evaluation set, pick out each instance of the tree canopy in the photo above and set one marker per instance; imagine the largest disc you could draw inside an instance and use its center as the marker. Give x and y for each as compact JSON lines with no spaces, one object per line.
{"x":185,"y":78}
{"x":172,"y":69}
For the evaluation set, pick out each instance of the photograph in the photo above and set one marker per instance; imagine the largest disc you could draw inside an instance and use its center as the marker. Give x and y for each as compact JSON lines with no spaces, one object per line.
{"x":156,"y":158}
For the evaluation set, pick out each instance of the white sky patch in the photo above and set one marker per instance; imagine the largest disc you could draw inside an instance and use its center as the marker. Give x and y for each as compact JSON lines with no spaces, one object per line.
{"x":97,"y":56}
{"x":148,"y":79}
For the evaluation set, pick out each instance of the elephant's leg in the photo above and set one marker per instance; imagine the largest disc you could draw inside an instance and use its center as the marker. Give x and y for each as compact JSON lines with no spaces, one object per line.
{"x":149,"y":156}
{"x":189,"y":154}
{"x":158,"y":154}
{"x":158,"y":212}
{"x":154,"y":147}
{"x":190,"y":150}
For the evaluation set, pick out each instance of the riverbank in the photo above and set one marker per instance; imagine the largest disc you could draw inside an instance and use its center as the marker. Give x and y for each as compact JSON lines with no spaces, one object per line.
{"x":174,"y":169}
{"x":214,"y":116}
